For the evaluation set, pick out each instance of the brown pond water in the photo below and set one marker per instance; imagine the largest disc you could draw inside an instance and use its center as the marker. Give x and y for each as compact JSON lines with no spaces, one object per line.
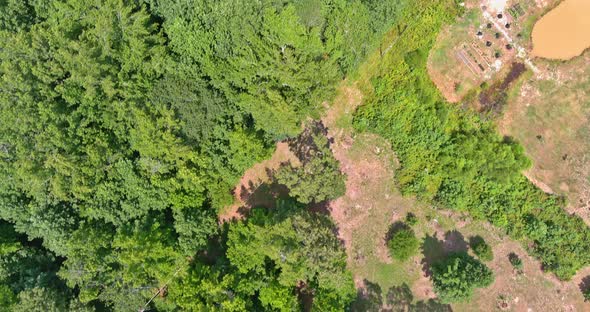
{"x":564,"y":32}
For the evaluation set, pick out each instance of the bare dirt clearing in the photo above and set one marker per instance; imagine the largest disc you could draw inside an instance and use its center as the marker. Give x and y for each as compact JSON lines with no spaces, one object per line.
{"x":248,"y":192}
{"x":372,"y":203}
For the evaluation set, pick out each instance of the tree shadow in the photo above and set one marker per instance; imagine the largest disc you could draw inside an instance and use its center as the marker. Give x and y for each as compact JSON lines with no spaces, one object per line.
{"x":304,"y":146}
{"x":435,"y":249}
{"x":305,"y":296}
{"x":321,"y":207}
{"x":264,"y":195}
{"x":454,"y":242}
{"x":399,"y":298}
{"x":394,"y":228}
{"x":431,"y":305}
{"x":585,"y":284}
{"x":369,"y":298}
{"x":475,"y":241}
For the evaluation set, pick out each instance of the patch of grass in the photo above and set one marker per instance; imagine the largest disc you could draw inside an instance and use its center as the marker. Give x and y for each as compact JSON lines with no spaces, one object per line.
{"x":527,"y":27}
{"x":392,"y":274}
{"x":558,"y":112}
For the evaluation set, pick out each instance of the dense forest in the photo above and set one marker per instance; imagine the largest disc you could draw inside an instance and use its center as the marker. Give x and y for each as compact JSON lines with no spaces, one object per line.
{"x":125,"y":125}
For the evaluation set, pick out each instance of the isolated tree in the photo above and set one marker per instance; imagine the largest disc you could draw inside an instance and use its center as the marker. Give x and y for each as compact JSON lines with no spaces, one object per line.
{"x":403,"y":244}
{"x":455,"y":277}
{"x":318,"y":177}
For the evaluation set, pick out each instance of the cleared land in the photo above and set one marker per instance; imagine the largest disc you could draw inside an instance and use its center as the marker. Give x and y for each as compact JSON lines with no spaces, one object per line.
{"x":551,"y":119}
{"x":547,"y":111}
{"x":372,"y":202}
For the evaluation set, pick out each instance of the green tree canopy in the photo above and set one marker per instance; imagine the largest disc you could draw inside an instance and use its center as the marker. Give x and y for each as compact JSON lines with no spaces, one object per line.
{"x":318,"y":177}
{"x":403,"y":244}
{"x":455,"y":277}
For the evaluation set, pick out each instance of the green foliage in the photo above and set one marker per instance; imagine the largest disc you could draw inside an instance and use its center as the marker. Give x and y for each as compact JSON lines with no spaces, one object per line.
{"x":319,"y":259}
{"x":7,"y":296}
{"x":451,"y":157}
{"x":411,"y":219}
{"x":318,"y":178}
{"x":125,"y":125}
{"x":270,"y":257}
{"x":403,"y":244}
{"x":38,"y":300}
{"x":516,"y":262}
{"x":18,"y":15}
{"x":455,"y":277}
{"x":586,"y":294}
{"x":481,"y":248}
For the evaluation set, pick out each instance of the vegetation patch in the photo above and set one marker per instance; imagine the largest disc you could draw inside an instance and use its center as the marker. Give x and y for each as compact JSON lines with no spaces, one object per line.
{"x":452,"y":158}
{"x":403,"y":243}
{"x":456,"y":277}
{"x":481,"y":248}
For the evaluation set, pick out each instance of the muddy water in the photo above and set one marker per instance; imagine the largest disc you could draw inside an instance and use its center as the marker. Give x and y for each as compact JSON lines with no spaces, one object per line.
{"x":564,"y":32}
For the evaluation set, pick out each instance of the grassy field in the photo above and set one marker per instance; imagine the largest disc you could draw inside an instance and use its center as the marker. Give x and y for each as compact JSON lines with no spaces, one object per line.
{"x":373,"y":203}
{"x":550,"y":117}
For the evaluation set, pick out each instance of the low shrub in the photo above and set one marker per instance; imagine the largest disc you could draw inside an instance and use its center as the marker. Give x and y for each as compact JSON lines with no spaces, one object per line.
{"x":481,"y":248}
{"x":403,"y":244}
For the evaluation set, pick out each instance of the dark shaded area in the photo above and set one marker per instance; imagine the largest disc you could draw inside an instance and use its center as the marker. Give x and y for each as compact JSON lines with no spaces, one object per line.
{"x":585,"y":288}
{"x":395,"y":227}
{"x":303,"y":146}
{"x":321,"y":207}
{"x":305,"y":296}
{"x":368,"y":298}
{"x":494,"y":98}
{"x":264,"y":195}
{"x":432,"y":305}
{"x":475,"y":241}
{"x":398,"y":299}
{"x":455,"y":242}
{"x":585,"y":284}
{"x":435,"y":249}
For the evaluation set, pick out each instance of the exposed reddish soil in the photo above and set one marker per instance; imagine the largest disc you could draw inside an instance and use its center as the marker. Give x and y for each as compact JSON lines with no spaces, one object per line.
{"x":248,"y":193}
{"x":444,"y":85}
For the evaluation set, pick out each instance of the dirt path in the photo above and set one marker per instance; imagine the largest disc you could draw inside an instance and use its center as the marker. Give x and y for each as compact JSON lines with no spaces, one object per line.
{"x":367,"y":169}
{"x":247,"y":193}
